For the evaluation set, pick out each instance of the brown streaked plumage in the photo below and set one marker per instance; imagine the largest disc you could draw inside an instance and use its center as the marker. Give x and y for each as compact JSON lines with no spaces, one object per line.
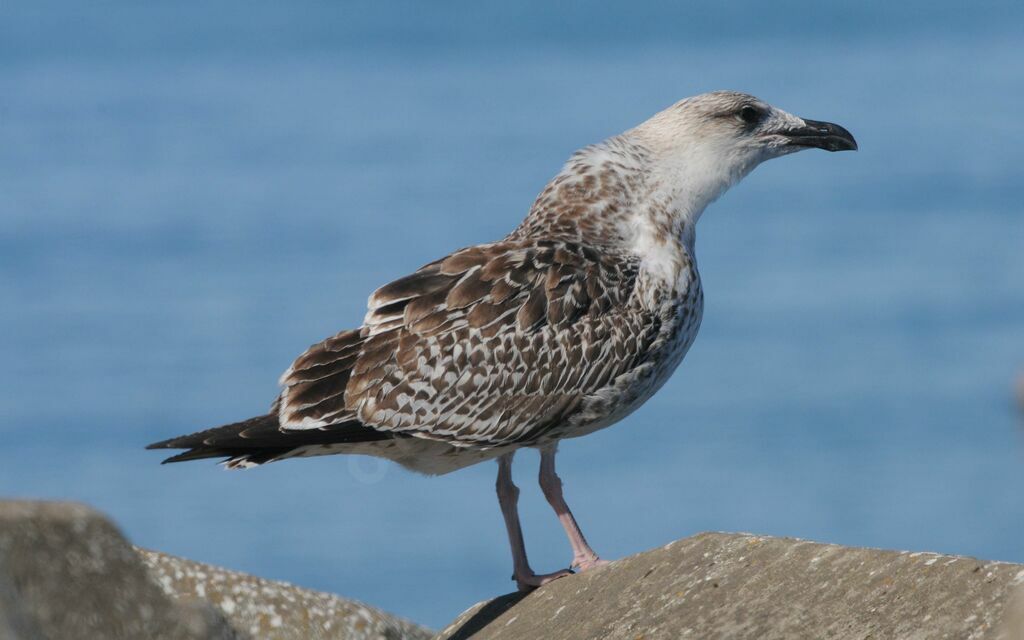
{"x":464,"y":350}
{"x":563,"y":327}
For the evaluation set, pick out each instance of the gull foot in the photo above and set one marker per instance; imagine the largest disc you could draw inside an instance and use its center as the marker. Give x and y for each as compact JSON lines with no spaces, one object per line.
{"x":586,"y":564}
{"x":531,"y":581}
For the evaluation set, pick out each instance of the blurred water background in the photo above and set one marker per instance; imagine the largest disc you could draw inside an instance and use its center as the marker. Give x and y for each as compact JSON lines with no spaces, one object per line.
{"x":194,"y":192}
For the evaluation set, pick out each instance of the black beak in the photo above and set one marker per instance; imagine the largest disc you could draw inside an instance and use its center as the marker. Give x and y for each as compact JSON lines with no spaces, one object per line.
{"x":822,"y":135}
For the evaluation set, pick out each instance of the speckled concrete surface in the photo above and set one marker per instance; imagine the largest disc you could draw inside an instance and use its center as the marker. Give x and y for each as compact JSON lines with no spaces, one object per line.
{"x":737,"y":586}
{"x":271,"y":610}
{"x":67,"y":573}
{"x":1013,"y":621}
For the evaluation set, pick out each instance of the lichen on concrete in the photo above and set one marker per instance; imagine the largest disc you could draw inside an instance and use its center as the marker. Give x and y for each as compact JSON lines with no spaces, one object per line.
{"x":272,"y":610}
{"x":66,"y":572}
{"x":717,"y":586}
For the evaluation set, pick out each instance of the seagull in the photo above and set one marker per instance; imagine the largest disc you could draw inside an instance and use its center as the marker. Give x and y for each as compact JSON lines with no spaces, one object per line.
{"x":564,"y":327}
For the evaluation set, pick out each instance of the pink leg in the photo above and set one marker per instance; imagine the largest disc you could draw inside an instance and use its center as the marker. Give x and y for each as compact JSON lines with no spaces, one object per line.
{"x":508,"y":497}
{"x":583,"y":557}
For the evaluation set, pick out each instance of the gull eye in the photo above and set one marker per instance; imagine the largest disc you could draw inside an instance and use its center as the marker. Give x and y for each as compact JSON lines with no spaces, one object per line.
{"x":750,"y":114}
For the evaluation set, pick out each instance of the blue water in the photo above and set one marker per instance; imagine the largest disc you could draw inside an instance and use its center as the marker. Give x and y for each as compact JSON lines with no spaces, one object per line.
{"x":192,"y":194}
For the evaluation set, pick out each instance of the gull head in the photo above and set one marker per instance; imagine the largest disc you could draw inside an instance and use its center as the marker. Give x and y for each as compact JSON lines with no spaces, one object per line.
{"x":707,"y":143}
{"x":730,"y":123}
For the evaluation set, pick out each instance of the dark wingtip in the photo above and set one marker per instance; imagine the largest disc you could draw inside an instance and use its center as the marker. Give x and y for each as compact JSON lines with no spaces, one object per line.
{"x":180,"y":442}
{"x":195,"y":454}
{"x":259,"y":440}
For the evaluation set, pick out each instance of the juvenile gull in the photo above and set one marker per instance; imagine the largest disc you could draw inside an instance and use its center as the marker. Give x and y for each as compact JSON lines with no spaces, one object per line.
{"x":563,"y":327}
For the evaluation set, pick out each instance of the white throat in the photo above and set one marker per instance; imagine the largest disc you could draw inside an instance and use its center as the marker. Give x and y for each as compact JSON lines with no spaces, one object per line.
{"x":680,"y":184}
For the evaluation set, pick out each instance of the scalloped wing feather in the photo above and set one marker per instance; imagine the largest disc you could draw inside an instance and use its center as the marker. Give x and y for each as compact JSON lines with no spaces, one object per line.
{"x":494,"y":344}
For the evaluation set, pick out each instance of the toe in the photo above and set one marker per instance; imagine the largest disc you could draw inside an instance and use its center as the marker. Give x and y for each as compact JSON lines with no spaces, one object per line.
{"x":531,"y":581}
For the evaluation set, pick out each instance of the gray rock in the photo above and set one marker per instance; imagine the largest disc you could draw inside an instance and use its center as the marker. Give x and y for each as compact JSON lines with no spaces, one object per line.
{"x":66,"y":573}
{"x":738,"y":586}
{"x":276,"y":610}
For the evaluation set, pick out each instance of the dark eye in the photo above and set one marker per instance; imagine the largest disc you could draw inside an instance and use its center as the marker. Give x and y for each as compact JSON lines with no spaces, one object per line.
{"x":750,"y":114}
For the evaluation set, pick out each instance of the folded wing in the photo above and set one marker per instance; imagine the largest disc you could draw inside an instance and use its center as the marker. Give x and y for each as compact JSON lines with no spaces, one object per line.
{"x":493,"y":345}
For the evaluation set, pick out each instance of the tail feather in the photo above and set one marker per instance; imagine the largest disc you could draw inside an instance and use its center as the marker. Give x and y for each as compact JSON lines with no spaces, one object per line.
{"x":261,"y":439}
